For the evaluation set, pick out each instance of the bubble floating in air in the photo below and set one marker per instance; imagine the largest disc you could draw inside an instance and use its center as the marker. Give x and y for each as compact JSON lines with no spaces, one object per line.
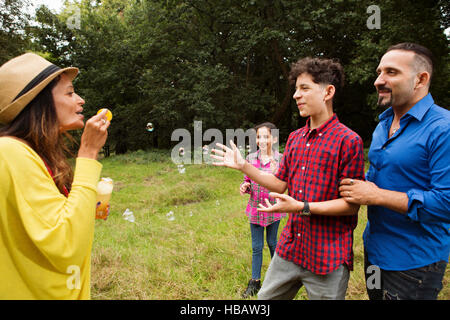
{"x":150,"y":127}
{"x":170,"y":216}
{"x":128,"y":215}
{"x":181,"y":169}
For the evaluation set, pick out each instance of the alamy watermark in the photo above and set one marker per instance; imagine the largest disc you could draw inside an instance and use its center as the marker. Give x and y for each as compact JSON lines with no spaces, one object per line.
{"x":373,"y":279}
{"x":374,"y":20}
{"x":189,"y":150}
{"x":74,"y":280}
{"x":74,"y":20}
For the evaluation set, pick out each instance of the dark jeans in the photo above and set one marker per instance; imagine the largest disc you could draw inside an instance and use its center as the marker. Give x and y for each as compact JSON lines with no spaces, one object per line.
{"x":423,"y":283}
{"x":258,"y":245}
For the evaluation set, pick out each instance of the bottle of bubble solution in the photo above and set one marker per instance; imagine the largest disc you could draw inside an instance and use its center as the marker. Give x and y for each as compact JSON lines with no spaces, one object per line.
{"x":104,"y":191}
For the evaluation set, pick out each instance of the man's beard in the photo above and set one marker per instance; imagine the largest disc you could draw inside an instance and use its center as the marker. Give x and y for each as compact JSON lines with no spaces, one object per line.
{"x":386,"y":103}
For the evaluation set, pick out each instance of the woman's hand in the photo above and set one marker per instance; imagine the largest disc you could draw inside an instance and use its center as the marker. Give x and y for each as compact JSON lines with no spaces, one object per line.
{"x":94,"y":136}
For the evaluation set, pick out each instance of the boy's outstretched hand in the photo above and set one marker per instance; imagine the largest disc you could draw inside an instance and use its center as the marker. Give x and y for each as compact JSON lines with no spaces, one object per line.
{"x":284,"y":203}
{"x":228,"y":157}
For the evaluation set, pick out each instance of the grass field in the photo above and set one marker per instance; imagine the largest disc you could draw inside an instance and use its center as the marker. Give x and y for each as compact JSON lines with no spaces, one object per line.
{"x":204,"y":253}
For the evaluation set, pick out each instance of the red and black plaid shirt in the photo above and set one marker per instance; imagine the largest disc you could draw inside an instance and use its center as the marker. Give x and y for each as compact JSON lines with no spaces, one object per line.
{"x":313,"y":164}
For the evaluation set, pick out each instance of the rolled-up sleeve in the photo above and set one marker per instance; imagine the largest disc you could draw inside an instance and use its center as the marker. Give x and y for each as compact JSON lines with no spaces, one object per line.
{"x":432,"y":203}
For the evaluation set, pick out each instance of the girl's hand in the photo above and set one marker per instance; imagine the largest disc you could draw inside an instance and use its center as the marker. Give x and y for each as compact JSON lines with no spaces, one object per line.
{"x":244,"y":188}
{"x":284,"y":203}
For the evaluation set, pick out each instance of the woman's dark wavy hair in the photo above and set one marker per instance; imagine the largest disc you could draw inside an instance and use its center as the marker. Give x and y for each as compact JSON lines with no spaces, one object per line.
{"x":38,"y":124}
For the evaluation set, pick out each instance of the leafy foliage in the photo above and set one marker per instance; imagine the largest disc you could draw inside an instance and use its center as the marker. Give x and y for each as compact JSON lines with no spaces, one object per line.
{"x":226,"y":63}
{"x":13,"y":22}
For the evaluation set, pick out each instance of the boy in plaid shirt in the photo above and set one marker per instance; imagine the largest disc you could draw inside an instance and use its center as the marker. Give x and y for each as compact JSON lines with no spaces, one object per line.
{"x":265,"y":159}
{"x":315,"y":247}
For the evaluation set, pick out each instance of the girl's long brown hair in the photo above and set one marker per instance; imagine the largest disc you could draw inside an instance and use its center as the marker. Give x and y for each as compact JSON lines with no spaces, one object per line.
{"x":38,"y":125}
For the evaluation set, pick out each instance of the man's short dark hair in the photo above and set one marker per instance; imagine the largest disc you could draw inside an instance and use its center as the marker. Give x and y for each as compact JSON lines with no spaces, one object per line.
{"x":423,"y":58}
{"x":322,"y":71}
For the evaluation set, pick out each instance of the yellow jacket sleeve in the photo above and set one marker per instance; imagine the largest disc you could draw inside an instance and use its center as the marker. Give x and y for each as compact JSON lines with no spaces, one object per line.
{"x":43,"y":229}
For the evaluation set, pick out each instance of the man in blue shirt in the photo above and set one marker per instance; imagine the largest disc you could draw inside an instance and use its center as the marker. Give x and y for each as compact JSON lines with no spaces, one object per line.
{"x":407,"y":237}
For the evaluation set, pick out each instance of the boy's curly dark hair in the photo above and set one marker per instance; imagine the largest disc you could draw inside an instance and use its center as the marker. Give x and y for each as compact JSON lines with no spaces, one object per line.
{"x":322,"y":71}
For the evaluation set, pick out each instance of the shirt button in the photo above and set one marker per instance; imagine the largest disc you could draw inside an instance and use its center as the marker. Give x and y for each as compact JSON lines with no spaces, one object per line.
{"x":300,"y":191}
{"x":299,"y":235}
{"x":320,"y":134}
{"x":303,"y":168}
{"x":308,"y":144}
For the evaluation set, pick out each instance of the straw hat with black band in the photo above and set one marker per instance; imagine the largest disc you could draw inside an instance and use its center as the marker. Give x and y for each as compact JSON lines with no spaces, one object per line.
{"x":21,"y":80}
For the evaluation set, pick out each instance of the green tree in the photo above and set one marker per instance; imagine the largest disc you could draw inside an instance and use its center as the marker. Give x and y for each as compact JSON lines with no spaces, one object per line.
{"x":226,"y":63}
{"x":13,"y":23}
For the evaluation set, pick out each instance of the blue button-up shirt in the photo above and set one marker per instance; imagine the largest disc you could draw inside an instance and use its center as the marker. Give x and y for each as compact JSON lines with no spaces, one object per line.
{"x":416,"y":161}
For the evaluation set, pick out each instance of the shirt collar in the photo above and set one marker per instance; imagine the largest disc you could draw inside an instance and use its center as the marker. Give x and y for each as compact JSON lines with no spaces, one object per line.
{"x":324,"y":127}
{"x":417,"y":111}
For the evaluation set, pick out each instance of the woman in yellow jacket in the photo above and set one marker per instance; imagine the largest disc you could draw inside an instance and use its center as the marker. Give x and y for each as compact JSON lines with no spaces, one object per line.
{"x":47,"y":211}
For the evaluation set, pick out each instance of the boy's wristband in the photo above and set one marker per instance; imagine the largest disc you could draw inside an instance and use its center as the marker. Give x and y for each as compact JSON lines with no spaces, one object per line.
{"x":305,"y":211}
